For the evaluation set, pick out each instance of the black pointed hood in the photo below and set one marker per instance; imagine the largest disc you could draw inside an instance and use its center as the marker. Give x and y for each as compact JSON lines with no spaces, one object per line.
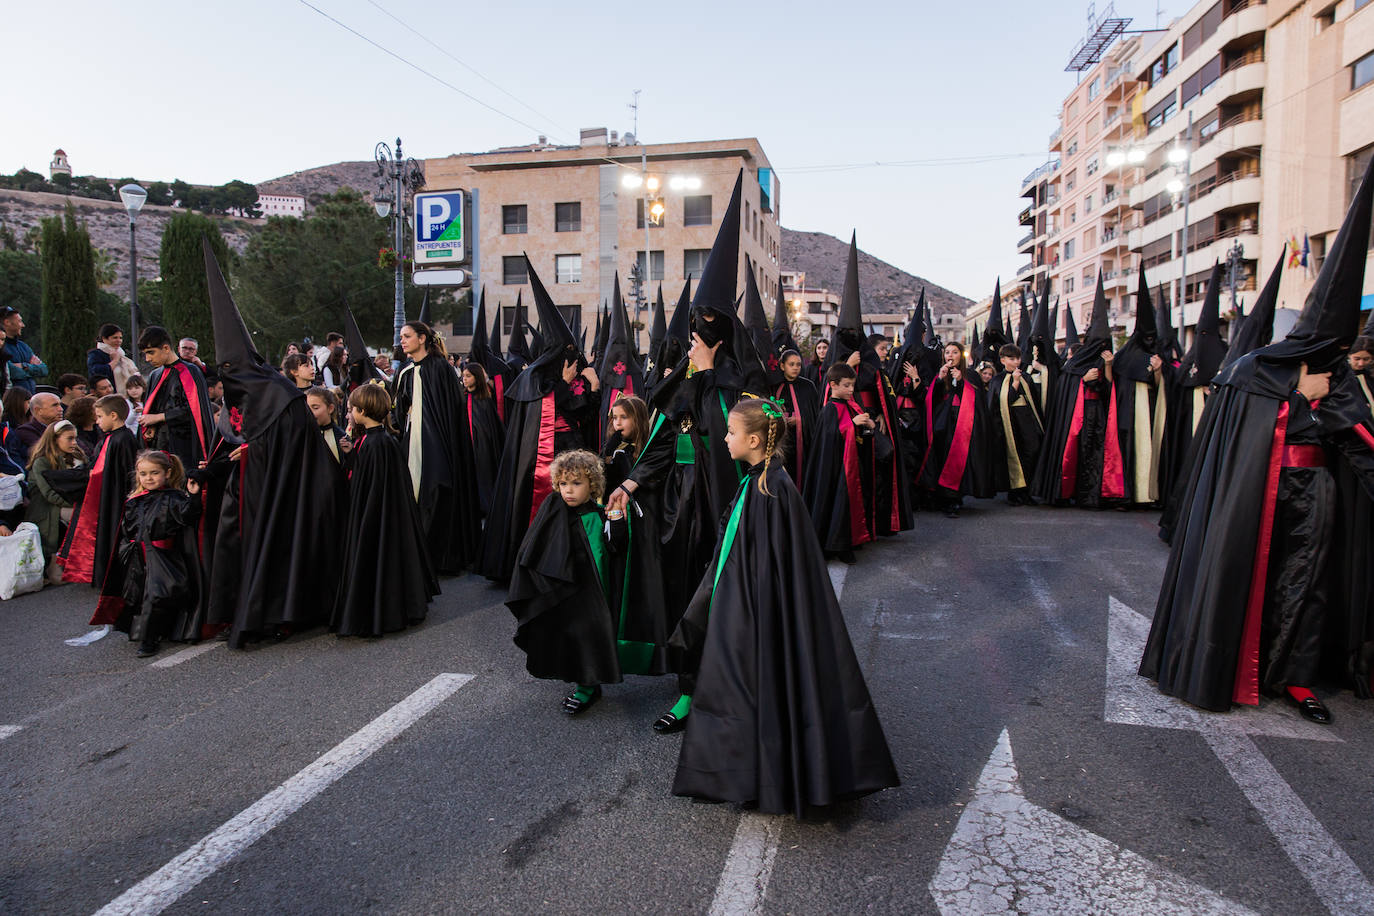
{"x":678,"y":339}
{"x":782,"y":327}
{"x":1258,"y":329}
{"x":552,"y":327}
{"x":928,"y":335}
{"x":555,"y":341}
{"x":537,"y":342}
{"x":1071,"y":340}
{"x":1133,"y":359}
{"x":1208,"y":351}
{"x":257,"y":391}
{"x":518,"y":347}
{"x":1041,"y":337}
{"x":494,"y":340}
{"x":1023,"y":326}
{"x":849,"y":334}
{"x":1096,"y":338}
{"x":1054,"y":319}
{"x":1168,"y":334}
{"x":993,"y":335}
{"x":767,"y":374}
{"x":425,"y":318}
{"x":1330,"y":318}
{"x":658,"y":328}
{"x":482,"y":351}
{"x":716,"y":285}
{"x":603,"y":323}
{"x":361,"y":368}
{"x":975,"y":347}
{"x":618,"y":360}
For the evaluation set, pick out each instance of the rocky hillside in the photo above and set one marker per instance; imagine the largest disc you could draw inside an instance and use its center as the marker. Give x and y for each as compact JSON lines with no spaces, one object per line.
{"x":883,"y":288}
{"x":318,"y":182}
{"x":108,"y":223}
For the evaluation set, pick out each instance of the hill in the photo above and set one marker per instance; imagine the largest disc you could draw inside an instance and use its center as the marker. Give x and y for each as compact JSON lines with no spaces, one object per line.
{"x":883,"y":288}
{"x":326,"y":179}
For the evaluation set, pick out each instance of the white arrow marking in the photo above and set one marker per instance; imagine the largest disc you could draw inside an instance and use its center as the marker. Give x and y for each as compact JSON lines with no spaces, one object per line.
{"x":167,"y":885}
{"x":749,"y":863}
{"x":1010,"y":856}
{"x":1133,"y":700}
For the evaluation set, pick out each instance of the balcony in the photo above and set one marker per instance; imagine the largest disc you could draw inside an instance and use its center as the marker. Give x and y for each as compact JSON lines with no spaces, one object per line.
{"x":1048,"y":168}
{"x":1241,"y":131}
{"x":1026,"y":217}
{"x":1243,"y":81}
{"x":1025,"y":269}
{"x":1027,"y":242}
{"x":1245,"y":18}
{"x":1055,"y":138}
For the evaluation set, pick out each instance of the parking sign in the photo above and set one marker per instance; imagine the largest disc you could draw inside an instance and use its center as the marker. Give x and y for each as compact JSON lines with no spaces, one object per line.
{"x":439,"y":228}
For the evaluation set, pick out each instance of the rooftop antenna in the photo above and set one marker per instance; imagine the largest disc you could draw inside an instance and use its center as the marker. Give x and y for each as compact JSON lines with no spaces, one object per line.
{"x":634,"y":107}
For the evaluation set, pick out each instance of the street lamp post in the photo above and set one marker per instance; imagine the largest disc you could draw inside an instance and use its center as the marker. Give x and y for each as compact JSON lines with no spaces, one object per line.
{"x":134,"y":198}
{"x":396,"y":175}
{"x":1182,"y":156}
{"x":1233,"y":262}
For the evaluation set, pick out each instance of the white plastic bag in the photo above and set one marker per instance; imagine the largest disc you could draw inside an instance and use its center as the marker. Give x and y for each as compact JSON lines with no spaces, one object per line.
{"x":21,"y":561}
{"x":11,"y":491}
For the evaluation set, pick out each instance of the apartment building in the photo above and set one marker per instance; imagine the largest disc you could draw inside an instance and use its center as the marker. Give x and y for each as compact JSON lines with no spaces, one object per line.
{"x":1265,"y":110}
{"x":583,"y":212}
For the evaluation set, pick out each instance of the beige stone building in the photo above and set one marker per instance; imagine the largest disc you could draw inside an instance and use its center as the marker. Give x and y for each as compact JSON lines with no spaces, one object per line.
{"x":579,"y":212}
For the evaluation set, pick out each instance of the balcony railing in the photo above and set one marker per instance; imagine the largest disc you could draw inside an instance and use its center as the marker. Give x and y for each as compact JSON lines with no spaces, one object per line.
{"x":1025,"y":241}
{"x":1025,"y":269}
{"x":1055,"y":135}
{"x":1253,"y":56}
{"x":1024,"y":217}
{"x":1041,"y":171}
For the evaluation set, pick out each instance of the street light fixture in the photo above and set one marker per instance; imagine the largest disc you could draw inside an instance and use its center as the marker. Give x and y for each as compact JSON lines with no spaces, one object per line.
{"x":134,"y":197}
{"x":1180,"y":157}
{"x":396,"y":175}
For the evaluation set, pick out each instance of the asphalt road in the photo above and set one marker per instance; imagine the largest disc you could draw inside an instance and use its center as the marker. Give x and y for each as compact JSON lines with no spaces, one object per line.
{"x":494,"y":801}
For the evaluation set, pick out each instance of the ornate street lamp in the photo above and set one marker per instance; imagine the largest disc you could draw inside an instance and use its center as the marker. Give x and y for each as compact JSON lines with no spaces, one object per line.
{"x":398,"y":178}
{"x":134,"y":198}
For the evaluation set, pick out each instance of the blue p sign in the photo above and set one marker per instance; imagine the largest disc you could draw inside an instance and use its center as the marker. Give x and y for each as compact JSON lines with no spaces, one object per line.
{"x":439,"y":228}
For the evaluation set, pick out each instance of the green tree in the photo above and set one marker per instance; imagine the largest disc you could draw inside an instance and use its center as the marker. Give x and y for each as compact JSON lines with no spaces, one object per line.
{"x":70,"y":293}
{"x":296,"y":276}
{"x":21,"y":281}
{"x":185,"y":295}
{"x":160,"y":193}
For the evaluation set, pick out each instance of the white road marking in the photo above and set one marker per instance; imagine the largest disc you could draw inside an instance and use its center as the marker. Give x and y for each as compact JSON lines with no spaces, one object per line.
{"x":90,"y":636}
{"x":1010,"y":856}
{"x":8,"y":730}
{"x":1041,"y":596}
{"x":167,"y":885}
{"x":749,"y":863}
{"x":1132,"y":700}
{"x":185,"y":655}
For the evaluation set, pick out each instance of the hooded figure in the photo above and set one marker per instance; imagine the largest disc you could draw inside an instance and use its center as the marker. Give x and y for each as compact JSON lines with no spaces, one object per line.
{"x":975,"y":347}
{"x":1081,"y":456}
{"x":782,"y":327}
{"x":1192,"y":385}
{"x":603,"y":330}
{"x":550,"y":409}
{"x":1246,"y":602}
{"x":276,"y":550}
{"x":1143,"y":382}
{"x":1258,"y":328}
{"x":620,"y":372}
{"x":1070,"y":334}
{"x":1016,"y":427}
{"x":494,"y":340}
{"x":485,"y":408}
{"x":1045,"y":361}
{"x":993,"y":334}
{"x":763,"y":371}
{"x":920,"y":354}
{"x":658,"y":330}
{"x":428,"y":407}
{"x":361,"y":368}
{"x":519,"y":351}
{"x":1023,"y":326}
{"x":873,"y":392}
{"x":1168,"y":335}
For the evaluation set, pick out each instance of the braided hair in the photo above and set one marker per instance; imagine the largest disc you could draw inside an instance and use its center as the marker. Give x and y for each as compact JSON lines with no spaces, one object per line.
{"x":763,"y":417}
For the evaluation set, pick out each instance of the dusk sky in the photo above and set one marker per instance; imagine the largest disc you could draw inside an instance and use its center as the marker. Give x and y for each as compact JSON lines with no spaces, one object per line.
{"x":959,"y":101}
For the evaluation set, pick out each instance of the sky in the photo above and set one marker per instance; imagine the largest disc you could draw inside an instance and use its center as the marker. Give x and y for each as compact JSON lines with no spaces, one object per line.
{"x":957,"y":102}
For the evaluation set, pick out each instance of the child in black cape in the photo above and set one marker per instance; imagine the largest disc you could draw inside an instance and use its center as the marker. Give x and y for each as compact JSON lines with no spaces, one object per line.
{"x":634,"y":479}
{"x":88,"y":552}
{"x":485,"y":428}
{"x":162,"y":578}
{"x":562,"y":588}
{"x":781,"y":717}
{"x":839,"y":482}
{"x":388,"y":578}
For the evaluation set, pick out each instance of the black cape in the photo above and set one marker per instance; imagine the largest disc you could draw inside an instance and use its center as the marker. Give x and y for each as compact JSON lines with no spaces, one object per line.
{"x":488,"y":438}
{"x":644,"y":622}
{"x":801,"y":402}
{"x":178,"y":390}
{"x":1016,"y":430}
{"x":88,"y":551}
{"x":839,"y":482}
{"x":449,"y":507}
{"x":162,"y":576}
{"x":781,"y":717}
{"x":388,"y":579}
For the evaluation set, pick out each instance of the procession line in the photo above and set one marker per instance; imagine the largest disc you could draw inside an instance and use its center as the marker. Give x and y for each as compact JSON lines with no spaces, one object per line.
{"x":168,"y":884}
{"x":749,"y":863}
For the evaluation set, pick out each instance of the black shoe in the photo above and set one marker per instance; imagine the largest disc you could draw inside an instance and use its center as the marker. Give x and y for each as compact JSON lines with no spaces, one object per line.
{"x":1313,"y":710}
{"x":668,"y":723}
{"x":572,"y":705}
{"x":951,"y":513}
{"x":147,"y":649}
{"x":845,"y":556}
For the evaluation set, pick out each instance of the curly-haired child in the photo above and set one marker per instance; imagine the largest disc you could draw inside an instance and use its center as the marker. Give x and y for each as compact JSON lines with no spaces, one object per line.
{"x":780,"y":716}
{"x":564,"y":584}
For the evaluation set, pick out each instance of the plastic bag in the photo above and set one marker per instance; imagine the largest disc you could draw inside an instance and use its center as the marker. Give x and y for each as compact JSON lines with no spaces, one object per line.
{"x":21,"y":561}
{"x":11,"y":492}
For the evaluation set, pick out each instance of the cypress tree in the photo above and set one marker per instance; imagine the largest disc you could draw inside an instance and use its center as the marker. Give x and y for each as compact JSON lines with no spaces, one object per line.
{"x":185,"y":296}
{"x":69,"y":294}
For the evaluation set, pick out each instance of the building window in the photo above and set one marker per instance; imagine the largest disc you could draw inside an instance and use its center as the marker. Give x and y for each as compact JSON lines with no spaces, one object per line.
{"x":1360,"y":3}
{"x":572,"y":314}
{"x":693,"y":261}
{"x":1090,"y":168}
{"x":567,"y":217}
{"x":1164,"y":64}
{"x":1362,"y":71}
{"x":507,"y":321}
{"x":1069,"y":249}
{"x":567,"y":268}
{"x":655,"y":265}
{"x":696,"y":210}
{"x":656,"y":211}
{"x":1088,"y":204}
{"x":514,"y":269}
{"x":1095,"y":88}
{"x":1073,"y":147}
{"x":1068,"y":285}
{"x":1326,"y":18}
{"x":815,"y":308}
{"x":1162,"y":112}
{"x":515,"y":220}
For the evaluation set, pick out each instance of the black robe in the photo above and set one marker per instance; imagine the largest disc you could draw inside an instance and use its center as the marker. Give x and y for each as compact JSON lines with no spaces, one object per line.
{"x":891,"y":490}
{"x":88,"y":552}
{"x":1237,"y":613}
{"x":178,"y":390}
{"x":545,"y":416}
{"x":443,"y":461}
{"x":488,"y":435}
{"x":1142,"y":412}
{"x":561,"y":602}
{"x":387,"y":577}
{"x":781,"y":717}
{"x":957,"y":432}
{"x":1080,"y":457}
{"x":162,"y":576}
{"x":643,"y":620}
{"x":1016,"y":430}
{"x":839,"y":483}
{"x":801,"y":401}
{"x":1350,"y":642}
